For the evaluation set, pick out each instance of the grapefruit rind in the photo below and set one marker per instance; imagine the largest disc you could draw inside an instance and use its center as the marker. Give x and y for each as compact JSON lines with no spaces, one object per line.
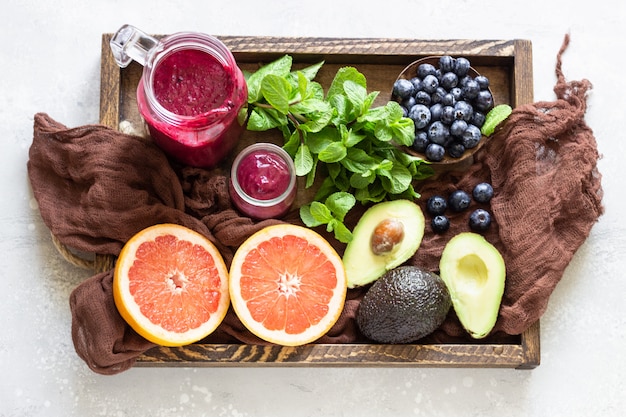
{"x":281,"y":337}
{"x":130,"y":310}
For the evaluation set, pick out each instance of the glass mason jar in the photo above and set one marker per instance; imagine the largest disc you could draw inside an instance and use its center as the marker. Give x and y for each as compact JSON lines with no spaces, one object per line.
{"x":190,"y":93}
{"x":263,"y":181}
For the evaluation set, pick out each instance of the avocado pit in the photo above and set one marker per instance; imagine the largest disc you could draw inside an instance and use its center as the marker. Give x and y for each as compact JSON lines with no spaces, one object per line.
{"x":387,"y":234}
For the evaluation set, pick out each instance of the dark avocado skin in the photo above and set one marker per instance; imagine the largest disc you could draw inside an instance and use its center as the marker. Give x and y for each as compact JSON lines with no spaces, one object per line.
{"x":404,"y":305}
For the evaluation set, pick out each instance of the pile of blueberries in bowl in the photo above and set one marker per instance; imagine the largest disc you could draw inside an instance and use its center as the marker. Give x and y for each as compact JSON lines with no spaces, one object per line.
{"x":448,"y":101}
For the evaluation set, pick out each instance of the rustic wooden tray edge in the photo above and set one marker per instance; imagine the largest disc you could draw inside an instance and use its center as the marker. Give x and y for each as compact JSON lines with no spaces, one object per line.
{"x":525,"y":355}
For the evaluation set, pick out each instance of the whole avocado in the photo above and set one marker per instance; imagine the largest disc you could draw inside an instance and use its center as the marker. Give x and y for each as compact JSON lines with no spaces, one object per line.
{"x":404,"y":305}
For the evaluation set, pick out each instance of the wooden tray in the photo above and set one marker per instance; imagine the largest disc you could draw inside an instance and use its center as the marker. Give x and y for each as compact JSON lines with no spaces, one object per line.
{"x":507,"y":63}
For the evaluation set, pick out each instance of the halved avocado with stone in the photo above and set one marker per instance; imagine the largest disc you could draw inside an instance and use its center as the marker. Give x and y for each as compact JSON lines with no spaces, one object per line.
{"x":474,"y":272}
{"x":385,"y":236}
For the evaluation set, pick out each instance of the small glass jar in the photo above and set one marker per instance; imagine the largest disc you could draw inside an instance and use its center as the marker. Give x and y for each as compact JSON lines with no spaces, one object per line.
{"x":263,"y":181}
{"x":190,"y":93}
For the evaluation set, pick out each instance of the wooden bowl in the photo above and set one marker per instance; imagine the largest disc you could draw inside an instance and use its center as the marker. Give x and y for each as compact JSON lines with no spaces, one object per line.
{"x":448,"y":163}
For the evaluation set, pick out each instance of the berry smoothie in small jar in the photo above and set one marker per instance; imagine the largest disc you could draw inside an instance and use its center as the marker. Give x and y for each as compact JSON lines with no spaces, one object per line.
{"x":263,"y":181}
{"x":190,"y":94}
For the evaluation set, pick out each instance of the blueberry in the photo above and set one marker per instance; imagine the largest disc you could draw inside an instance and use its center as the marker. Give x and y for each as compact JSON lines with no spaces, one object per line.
{"x":420,"y":114}
{"x":471,"y":89}
{"x":462,"y":67}
{"x":422,"y":97}
{"x":449,"y":80}
{"x":479,"y":220}
{"x":435,"y":152}
{"x":426,"y":69}
{"x":448,"y":99}
{"x":456,"y":149}
{"x":430,"y":83}
{"x":417,"y":84}
{"x":457,"y":93}
{"x":437,"y":133}
{"x":446,"y":63}
{"x":420,"y":142}
{"x":459,"y":200}
{"x":463,"y":111}
{"x":483,"y":101}
{"x":437,"y":96}
{"x":471,"y":136}
{"x":483,"y":82}
{"x":440,"y":224}
{"x":435,"y":112}
{"x":436,"y":205}
{"x":478,"y":119}
{"x":458,"y":127}
{"x":482,"y":192}
{"x":403,"y":88}
{"x":409,"y":102}
{"x":447,"y":114}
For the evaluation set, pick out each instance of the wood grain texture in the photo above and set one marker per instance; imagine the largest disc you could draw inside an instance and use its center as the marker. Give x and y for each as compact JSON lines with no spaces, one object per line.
{"x":507,"y":63}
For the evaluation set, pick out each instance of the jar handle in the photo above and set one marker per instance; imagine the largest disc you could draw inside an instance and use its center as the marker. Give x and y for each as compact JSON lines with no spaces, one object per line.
{"x":130,"y":43}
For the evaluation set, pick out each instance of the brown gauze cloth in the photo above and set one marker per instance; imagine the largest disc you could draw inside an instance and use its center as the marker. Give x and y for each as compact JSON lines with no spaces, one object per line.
{"x":97,"y":187}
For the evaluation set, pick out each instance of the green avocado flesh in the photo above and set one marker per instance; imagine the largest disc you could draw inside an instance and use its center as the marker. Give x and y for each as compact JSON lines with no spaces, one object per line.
{"x":363,"y":265}
{"x":404,"y":305}
{"x":474,"y":272}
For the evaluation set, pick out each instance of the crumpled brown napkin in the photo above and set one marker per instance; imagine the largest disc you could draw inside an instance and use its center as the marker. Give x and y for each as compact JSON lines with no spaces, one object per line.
{"x":97,"y":187}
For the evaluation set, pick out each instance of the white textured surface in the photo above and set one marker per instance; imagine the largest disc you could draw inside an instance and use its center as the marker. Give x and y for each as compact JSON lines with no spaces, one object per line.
{"x":50,"y":61}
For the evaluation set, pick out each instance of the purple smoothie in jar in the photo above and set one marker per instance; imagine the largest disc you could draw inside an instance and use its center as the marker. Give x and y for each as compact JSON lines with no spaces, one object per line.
{"x":190,"y":94}
{"x":263,"y":181}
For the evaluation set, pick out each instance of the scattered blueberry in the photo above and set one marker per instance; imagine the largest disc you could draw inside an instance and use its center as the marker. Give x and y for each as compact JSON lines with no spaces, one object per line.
{"x":483,"y":192}
{"x":435,"y":152}
{"x":479,"y":220}
{"x":436,"y":205}
{"x":459,"y":200}
{"x":440,"y":223}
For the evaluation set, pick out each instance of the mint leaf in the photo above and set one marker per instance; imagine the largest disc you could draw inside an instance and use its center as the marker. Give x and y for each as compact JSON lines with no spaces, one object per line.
{"x":262,"y":119}
{"x":356,"y":94}
{"x":276,"y":90}
{"x":280,"y":67}
{"x":345,"y":74}
{"x":341,"y":232}
{"x":340,"y":203}
{"x":303,"y":160}
{"x":334,"y":152}
{"x":307,"y":217}
{"x":320,"y":212}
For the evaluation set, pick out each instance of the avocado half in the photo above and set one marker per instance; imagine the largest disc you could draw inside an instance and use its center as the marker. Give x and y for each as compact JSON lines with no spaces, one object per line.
{"x":363,"y":265}
{"x":474,"y":272}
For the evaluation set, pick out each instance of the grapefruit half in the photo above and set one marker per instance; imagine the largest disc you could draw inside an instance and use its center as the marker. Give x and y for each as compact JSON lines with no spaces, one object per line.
{"x":287,"y":284}
{"x":171,"y":285}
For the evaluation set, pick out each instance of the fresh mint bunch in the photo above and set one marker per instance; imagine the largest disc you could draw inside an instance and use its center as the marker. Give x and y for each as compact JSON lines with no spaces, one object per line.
{"x":336,"y":134}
